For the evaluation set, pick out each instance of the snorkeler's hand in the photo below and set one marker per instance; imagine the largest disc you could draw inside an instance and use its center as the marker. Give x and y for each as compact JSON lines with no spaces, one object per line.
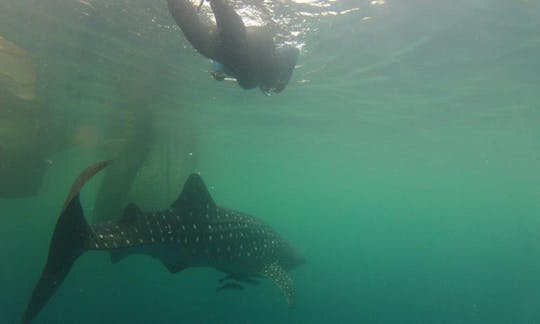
{"x":218,"y":75}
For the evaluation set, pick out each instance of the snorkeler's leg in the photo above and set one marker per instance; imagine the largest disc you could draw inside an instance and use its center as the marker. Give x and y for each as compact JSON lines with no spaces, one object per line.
{"x":201,"y":36}
{"x":233,"y":50}
{"x":230,"y":25}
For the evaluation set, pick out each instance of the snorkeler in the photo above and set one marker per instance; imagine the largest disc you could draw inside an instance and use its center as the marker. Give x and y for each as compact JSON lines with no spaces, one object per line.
{"x":245,"y":53}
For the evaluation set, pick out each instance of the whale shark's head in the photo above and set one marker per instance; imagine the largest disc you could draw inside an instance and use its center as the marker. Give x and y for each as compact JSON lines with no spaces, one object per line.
{"x":290,"y":257}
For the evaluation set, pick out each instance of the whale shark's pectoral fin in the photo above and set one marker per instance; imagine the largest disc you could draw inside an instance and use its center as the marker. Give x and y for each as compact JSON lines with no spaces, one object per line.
{"x":281,"y":278}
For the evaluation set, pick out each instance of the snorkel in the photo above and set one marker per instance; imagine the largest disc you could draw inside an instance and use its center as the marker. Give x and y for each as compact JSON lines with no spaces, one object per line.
{"x":286,"y":61}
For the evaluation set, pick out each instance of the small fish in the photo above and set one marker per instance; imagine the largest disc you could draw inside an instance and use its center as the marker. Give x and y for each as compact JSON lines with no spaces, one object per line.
{"x":240,"y":277}
{"x":230,"y":286}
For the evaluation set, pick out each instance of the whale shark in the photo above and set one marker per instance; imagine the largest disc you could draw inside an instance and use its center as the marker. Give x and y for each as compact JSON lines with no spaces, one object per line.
{"x":193,"y":232}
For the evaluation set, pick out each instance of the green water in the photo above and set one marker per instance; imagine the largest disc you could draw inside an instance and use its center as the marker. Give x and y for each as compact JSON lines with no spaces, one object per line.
{"x":402,"y":160}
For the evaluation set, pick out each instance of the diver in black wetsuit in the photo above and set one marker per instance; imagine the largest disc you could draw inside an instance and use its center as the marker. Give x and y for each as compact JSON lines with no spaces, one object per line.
{"x":245,"y":53}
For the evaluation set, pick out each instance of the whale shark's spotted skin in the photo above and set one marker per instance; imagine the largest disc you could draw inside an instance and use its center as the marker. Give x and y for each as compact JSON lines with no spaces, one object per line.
{"x":223,"y":238}
{"x":193,"y":232}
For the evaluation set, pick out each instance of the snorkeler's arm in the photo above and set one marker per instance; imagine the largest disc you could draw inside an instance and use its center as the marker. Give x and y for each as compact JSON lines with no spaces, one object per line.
{"x":201,"y":36}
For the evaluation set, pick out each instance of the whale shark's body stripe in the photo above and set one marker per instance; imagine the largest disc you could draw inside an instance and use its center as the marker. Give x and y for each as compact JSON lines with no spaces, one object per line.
{"x":194,"y":231}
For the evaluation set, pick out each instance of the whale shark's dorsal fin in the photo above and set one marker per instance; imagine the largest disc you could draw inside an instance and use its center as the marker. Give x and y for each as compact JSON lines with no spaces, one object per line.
{"x":195,"y":198}
{"x":131,"y":213}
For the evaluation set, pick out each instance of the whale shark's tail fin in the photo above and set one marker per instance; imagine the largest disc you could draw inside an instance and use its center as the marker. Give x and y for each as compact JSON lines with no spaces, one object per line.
{"x":67,"y":244}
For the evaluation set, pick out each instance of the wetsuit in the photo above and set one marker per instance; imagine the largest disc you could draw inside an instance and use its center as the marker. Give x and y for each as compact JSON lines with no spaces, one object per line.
{"x":249,"y":54}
